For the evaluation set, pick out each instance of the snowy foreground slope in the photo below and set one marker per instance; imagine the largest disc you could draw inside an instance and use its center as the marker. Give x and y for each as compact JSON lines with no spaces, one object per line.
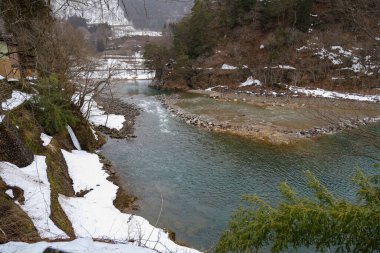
{"x":81,"y":245}
{"x":93,"y":216}
{"x":34,"y":181}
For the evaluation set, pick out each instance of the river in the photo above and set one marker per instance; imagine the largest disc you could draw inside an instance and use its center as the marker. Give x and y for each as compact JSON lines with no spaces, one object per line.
{"x":199,"y":176}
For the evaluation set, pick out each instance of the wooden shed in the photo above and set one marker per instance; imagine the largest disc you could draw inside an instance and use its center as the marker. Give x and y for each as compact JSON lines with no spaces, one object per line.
{"x":9,"y":57}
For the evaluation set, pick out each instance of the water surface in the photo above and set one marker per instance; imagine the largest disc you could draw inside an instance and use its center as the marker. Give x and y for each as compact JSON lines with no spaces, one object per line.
{"x":201,"y":175}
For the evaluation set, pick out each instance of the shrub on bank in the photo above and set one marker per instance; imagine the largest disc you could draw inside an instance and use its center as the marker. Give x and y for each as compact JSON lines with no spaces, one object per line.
{"x":52,"y":107}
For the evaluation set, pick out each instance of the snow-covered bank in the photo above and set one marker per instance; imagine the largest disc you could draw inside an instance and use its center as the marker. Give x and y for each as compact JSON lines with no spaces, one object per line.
{"x":94,"y":215}
{"x":81,"y":245}
{"x":332,"y":94}
{"x":17,"y":99}
{"x":34,"y":181}
{"x":97,"y":116}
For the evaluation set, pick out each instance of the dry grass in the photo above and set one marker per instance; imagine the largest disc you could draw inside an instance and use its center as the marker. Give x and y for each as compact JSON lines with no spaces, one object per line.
{"x":60,"y":183}
{"x":15,"y":225}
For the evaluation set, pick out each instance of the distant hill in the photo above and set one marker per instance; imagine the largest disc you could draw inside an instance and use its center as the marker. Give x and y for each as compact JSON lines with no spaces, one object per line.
{"x":153,"y":14}
{"x":93,"y":12}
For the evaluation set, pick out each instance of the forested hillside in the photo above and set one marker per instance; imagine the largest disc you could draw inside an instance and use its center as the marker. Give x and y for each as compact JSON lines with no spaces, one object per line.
{"x":330,"y":44}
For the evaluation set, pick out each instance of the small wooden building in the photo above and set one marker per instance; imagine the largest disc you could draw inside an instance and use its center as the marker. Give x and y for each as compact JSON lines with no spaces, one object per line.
{"x":9,"y":57}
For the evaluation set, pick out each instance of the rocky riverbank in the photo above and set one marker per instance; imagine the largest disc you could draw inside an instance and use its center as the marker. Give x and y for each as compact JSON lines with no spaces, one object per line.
{"x":272,"y":133}
{"x":115,"y":106}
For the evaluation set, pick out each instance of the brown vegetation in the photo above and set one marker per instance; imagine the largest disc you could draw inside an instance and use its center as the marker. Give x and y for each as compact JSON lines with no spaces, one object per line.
{"x":264,"y":34}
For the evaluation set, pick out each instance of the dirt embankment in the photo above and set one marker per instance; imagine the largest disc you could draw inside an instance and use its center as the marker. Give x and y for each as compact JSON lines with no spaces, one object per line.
{"x":348,"y":115}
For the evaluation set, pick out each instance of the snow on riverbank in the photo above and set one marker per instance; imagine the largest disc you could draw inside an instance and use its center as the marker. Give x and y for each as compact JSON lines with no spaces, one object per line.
{"x":34,"y":181}
{"x":98,"y":117}
{"x":81,"y":245}
{"x":94,"y":215}
{"x":17,"y":99}
{"x":332,"y":94}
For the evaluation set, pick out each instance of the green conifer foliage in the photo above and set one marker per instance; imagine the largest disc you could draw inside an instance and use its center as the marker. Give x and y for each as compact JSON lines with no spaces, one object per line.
{"x":324,"y":222}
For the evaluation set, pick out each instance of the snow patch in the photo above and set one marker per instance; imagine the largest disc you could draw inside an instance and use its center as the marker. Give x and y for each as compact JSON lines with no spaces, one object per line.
{"x":13,"y":80}
{"x":46,"y":139}
{"x":302,"y":48}
{"x":281,"y":67}
{"x":73,"y":138}
{"x":17,"y":99}
{"x":226,"y":66}
{"x":9,"y":192}
{"x":332,"y":94}
{"x":144,"y":33}
{"x":97,"y":116}
{"x":250,"y":81}
{"x":34,"y":181}
{"x":218,"y":86}
{"x":338,"y":55}
{"x":95,"y":134}
{"x":31,"y":78}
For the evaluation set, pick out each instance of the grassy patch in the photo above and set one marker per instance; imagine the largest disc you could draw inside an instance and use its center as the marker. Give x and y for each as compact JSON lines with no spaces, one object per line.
{"x":27,"y":127}
{"x":60,"y":183}
{"x":124,"y":201}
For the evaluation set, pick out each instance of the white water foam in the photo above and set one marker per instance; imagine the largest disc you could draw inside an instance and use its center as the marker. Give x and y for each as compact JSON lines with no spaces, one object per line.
{"x":154,"y":107}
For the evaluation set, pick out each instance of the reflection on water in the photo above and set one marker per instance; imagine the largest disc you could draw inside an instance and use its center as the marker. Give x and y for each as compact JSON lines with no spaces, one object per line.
{"x":201,"y":175}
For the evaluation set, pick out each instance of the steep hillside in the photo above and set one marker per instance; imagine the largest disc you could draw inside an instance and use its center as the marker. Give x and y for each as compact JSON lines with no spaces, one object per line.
{"x":246,"y":44}
{"x":93,"y":11}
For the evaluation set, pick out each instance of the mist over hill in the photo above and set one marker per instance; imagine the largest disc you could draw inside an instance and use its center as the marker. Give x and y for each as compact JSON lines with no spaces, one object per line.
{"x":153,"y":14}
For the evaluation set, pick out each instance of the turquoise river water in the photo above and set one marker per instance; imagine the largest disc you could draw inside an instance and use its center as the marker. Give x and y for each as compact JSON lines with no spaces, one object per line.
{"x":201,"y":175}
